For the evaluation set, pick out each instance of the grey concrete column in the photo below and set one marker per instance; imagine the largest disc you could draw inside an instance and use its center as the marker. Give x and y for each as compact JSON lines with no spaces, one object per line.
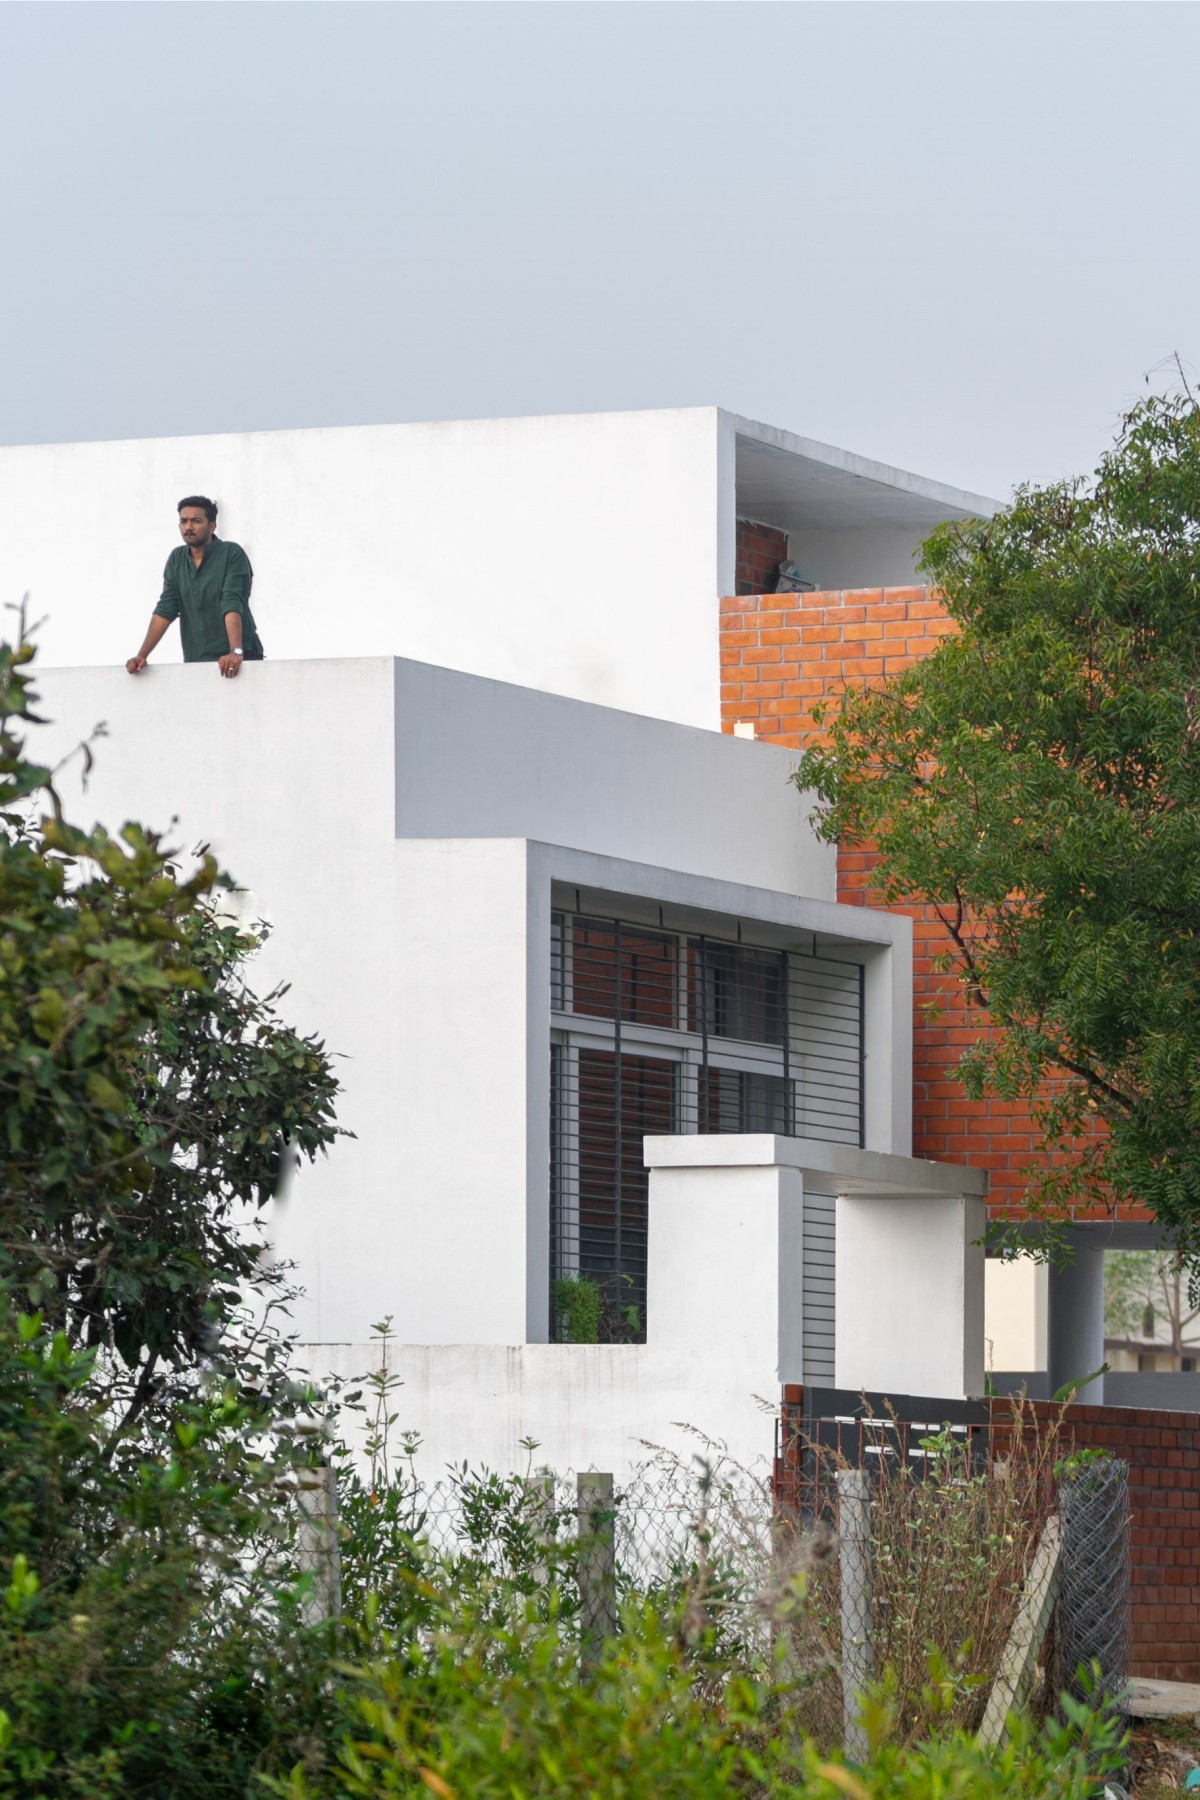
{"x":1075,"y":1326}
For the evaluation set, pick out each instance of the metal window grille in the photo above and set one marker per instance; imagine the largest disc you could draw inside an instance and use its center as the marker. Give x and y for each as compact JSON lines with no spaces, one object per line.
{"x":660,"y":1032}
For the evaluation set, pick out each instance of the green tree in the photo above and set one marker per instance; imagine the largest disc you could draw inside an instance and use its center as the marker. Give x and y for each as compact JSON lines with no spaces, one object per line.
{"x":148,"y":1102}
{"x":1146,"y":1299}
{"x":147,"y":1095}
{"x":1037,"y":780}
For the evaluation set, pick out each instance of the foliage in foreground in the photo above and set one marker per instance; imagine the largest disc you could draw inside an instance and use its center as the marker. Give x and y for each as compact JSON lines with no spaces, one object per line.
{"x":171,"y":1660}
{"x":466,"y":1709}
{"x":953,"y":1540}
{"x":149,"y":1638}
{"x":1037,"y":780}
{"x":462,"y":1667}
{"x":147,"y":1095}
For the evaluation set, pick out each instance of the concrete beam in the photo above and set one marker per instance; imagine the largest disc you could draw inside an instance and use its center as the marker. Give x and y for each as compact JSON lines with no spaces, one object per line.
{"x":870,"y":1174}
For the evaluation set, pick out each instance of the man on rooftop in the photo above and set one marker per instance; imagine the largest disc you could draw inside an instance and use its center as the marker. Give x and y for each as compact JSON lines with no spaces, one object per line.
{"x":206,"y":586}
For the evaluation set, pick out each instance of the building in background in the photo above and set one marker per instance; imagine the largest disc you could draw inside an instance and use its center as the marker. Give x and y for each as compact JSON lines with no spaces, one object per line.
{"x":608,"y":1008}
{"x":1151,"y":1324}
{"x":597,"y":1015}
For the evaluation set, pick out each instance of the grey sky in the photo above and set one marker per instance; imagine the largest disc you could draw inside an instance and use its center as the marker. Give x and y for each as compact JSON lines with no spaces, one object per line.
{"x":954,"y":237}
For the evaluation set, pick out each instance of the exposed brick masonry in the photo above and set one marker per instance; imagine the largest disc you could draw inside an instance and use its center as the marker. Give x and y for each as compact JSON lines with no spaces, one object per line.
{"x":1163,"y":1453}
{"x":780,"y":655}
{"x":760,"y":550}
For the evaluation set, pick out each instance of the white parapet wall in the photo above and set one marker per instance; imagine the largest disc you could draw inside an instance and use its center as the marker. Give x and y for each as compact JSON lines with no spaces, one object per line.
{"x":577,"y":553}
{"x":510,"y":1407}
{"x":726,"y":1254}
{"x":911,"y":1286}
{"x":580,"y":553}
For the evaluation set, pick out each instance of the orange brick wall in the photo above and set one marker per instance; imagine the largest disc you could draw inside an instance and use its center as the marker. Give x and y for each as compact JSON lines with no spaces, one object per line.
{"x":760,"y":550}
{"x":1163,"y":1453}
{"x":780,"y":654}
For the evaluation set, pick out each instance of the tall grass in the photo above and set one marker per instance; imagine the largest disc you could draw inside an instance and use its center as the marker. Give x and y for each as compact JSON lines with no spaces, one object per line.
{"x":953,"y":1533}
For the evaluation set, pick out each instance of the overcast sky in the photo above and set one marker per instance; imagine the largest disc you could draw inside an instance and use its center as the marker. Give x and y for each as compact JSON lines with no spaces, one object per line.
{"x":954,"y":237}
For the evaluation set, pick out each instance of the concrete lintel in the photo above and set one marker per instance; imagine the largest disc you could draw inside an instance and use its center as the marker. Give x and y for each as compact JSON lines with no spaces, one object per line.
{"x":867,"y":1174}
{"x":602,"y":876}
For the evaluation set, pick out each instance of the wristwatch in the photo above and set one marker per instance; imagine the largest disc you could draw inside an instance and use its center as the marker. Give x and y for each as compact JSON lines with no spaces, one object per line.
{"x":237,"y":651}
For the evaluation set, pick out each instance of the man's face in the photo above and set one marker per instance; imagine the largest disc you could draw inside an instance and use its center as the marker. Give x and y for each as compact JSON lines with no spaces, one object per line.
{"x":194,"y":528}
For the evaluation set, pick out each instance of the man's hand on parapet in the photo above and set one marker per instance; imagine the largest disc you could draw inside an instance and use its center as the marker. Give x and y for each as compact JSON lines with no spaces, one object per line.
{"x":229,"y":665}
{"x":136,"y":664}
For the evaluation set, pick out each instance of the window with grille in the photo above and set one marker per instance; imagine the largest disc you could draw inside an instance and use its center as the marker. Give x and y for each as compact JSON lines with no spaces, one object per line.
{"x":661,"y":1032}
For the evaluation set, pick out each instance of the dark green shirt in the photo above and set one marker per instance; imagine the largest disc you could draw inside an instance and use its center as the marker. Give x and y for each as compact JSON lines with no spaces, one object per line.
{"x":200,"y":597}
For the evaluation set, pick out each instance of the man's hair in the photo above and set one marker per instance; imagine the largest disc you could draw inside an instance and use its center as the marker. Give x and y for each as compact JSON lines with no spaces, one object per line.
{"x":201,"y":500}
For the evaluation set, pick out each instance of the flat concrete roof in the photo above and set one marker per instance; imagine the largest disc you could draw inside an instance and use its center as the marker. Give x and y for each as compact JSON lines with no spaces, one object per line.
{"x":786,"y":480}
{"x":799,"y":484}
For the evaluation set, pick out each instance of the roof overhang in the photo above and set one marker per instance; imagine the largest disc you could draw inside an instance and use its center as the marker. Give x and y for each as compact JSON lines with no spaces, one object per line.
{"x":799,"y":484}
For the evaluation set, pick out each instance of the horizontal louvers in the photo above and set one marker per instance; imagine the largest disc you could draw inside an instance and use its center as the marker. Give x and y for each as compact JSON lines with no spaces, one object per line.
{"x":818,"y":1291}
{"x":656,"y":1033}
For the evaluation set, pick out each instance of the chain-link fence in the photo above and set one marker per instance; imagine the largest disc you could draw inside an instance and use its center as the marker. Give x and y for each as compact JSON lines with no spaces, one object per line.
{"x":668,"y":1515}
{"x":929,"y":1552}
{"x":1092,"y":1626}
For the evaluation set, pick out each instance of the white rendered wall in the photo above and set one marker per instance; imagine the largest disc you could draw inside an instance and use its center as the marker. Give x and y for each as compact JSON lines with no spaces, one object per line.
{"x":478,"y":758}
{"x":281,"y":772}
{"x":423,"y":962}
{"x":856,"y":559}
{"x":910,"y":1293}
{"x":724,"y":1314}
{"x":727,"y":1251}
{"x":725,"y":1266}
{"x":1015,"y":1313}
{"x":586,"y":1406}
{"x":575,"y":553}
{"x":724,"y":1329}
{"x":887,"y":1044}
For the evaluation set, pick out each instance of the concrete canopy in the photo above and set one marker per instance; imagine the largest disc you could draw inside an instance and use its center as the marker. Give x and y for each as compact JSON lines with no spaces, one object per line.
{"x":799,"y":484}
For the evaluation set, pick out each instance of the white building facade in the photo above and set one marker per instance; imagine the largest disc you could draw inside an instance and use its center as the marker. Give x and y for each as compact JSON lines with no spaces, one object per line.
{"x":596,"y":1012}
{"x":596,"y":1009}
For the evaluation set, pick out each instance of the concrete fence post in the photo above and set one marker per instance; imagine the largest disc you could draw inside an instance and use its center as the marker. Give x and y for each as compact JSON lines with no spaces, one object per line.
{"x":597,"y":1566}
{"x":854,"y":1562}
{"x":540,"y":1510}
{"x":318,"y":1549}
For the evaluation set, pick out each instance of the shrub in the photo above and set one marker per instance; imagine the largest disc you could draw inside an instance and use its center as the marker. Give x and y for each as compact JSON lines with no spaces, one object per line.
{"x":457,"y":1707}
{"x":148,"y":1102}
{"x":465,"y":1674}
{"x":150,"y":1640}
